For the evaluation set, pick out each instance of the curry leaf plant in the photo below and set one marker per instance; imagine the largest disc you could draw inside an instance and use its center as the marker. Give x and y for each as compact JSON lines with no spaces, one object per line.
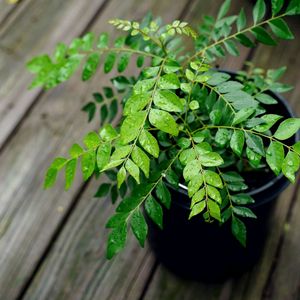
{"x":183,"y":123}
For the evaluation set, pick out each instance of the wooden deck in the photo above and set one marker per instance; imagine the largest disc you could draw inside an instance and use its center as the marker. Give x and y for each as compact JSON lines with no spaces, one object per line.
{"x":52,"y":244}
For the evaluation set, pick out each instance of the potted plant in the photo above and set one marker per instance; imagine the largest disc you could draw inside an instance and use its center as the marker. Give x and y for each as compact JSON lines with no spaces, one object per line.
{"x":201,"y":151}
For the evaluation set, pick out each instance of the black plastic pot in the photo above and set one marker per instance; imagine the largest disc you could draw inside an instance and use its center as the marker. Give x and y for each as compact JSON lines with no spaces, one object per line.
{"x":208,"y":252}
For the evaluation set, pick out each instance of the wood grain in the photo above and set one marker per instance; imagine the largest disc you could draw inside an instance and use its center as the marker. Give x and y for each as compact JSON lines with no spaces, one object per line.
{"x":34,"y":27}
{"x":31,"y":215}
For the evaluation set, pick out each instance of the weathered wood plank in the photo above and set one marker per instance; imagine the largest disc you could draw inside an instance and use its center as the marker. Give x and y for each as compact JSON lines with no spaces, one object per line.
{"x":30,"y":215}
{"x":34,"y":28}
{"x":5,"y":10}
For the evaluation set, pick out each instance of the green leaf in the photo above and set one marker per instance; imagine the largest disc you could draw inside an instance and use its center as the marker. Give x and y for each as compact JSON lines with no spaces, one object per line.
{"x":194,"y":184}
{"x":214,"y":194}
{"x":87,"y":41}
{"x":213,"y":179}
{"x":108,"y":133}
{"x":163,"y":121}
{"x":276,"y":6}
{"x":102,"y":190}
{"x":244,"y":212}
{"x":171,"y":66}
{"x":75,"y":151}
{"x":242,"y":115}
{"x":197,"y":209}
{"x":198,"y":137}
{"x":239,"y":230}
{"x":216,"y":116}
{"x":214,"y":210}
{"x":192,"y":169}
{"x":113,"y":109}
{"x":136,"y":103}
{"x":116,"y":240}
{"x":231,"y":48}
{"x":149,"y":143}
{"x":38,"y":63}
{"x":198,"y":196}
{"x":143,"y":86}
{"x":241,"y":20}
{"x":296,"y":147}
{"x":242,"y":199}
{"x":291,"y":165}
{"x":275,"y":157}
{"x":108,"y":92}
{"x":123,"y":62}
{"x":224,"y":9}
{"x":265,"y":99}
{"x":139,"y":226}
{"x":129,"y":203}
{"x":293,"y":8}
{"x":218,"y":78}
{"x":232,"y":177}
{"x":263,"y":36}
{"x":270,"y":120}
{"x":132,"y":125}
{"x":240,"y":100}
{"x":109,"y":62}
{"x":259,"y":11}
{"x":253,"y":157}
{"x":92,"y":140}
{"x":154,"y":210}
{"x":141,"y":159}
{"x":168,"y":101}
{"x":50,"y":178}
{"x":169,"y":81}
{"x":255,"y":143}
{"x":133,"y":170}
{"x":150,"y":72}
{"x":237,"y":142}
{"x":87,"y":164}
{"x":121,"y":152}
{"x":103,"y":40}
{"x":244,"y":40}
{"x":114,"y":194}
{"x":121,"y":176}
{"x":90,"y":66}
{"x":281,"y":29}
{"x":103,"y":113}
{"x":163,"y":194}
{"x":140,"y":61}
{"x":103,"y":155}
{"x":237,"y":186}
{"x":90,"y":108}
{"x":287,"y":128}
{"x":70,"y":172}
{"x":116,"y":220}
{"x":222,"y":137}
{"x":211,"y":159}
{"x":229,"y":86}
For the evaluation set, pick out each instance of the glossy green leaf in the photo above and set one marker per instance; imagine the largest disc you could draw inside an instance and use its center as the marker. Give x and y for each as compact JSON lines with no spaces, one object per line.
{"x":163,"y":121}
{"x":241,"y":20}
{"x":194,"y":184}
{"x":103,"y":190}
{"x":141,"y":159}
{"x":214,"y":210}
{"x":116,"y":240}
{"x":281,"y":29}
{"x":231,"y":48}
{"x":229,"y":86}
{"x":167,"y":100}
{"x":293,"y":8}
{"x":87,"y":164}
{"x":254,"y":157}
{"x":121,"y":176}
{"x":109,"y":62}
{"x":276,"y":6}
{"x":50,"y":178}
{"x":90,"y":108}
{"x":242,"y":115}
{"x":70,"y":172}
{"x":103,"y":155}
{"x":211,"y":159}
{"x":237,"y":142}
{"x":163,"y":194}
{"x":270,"y":120}
{"x":222,"y":137}
{"x":149,"y":143}
{"x":123,"y":62}
{"x":133,"y":170}
{"x":213,"y":179}
{"x":139,"y":226}
{"x":245,"y":40}
{"x":239,"y":230}
{"x":121,"y":152}
{"x":214,"y":194}
{"x":291,"y":165}
{"x":287,"y":128}
{"x":136,"y":103}
{"x":92,"y":140}
{"x":275,"y":157}
{"x":108,"y":133}
{"x":75,"y":151}
{"x":103,"y":40}
{"x":169,"y":81}
{"x":242,"y":199}
{"x":265,"y":99}
{"x":197,"y":209}
{"x":132,"y":125}
{"x":198,"y":196}
{"x":255,"y":143}
{"x":263,"y":36}
{"x":192,"y":169}
{"x":90,"y":66}
{"x":154,"y":211}
{"x":224,"y":9}
{"x":244,"y":212}
{"x":259,"y":11}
